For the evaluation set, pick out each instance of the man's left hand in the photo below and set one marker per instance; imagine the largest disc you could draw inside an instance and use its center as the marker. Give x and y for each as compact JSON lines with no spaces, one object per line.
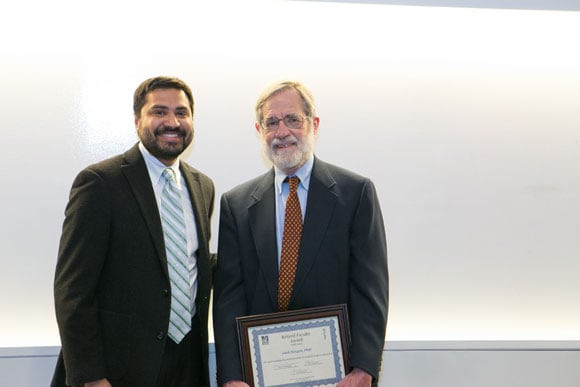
{"x":356,"y":378}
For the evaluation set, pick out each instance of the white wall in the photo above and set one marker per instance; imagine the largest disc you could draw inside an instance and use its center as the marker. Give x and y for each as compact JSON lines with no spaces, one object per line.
{"x":466,"y":119}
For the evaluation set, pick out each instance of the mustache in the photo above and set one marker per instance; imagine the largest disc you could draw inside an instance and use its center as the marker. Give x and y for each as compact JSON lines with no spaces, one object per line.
{"x":290,"y":139}
{"x":168,"y":129}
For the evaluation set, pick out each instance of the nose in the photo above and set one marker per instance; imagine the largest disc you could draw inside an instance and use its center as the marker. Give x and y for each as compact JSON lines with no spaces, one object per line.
{"x":282,"y":130}
{"x":172,"y":120}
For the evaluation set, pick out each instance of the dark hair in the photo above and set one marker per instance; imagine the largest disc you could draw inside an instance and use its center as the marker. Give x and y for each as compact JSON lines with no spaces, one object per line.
{"x":140,"y":95}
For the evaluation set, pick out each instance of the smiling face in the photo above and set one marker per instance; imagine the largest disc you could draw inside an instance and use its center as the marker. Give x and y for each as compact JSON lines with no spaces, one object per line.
{"x":287,"y":148}
{"x":165,"y":125}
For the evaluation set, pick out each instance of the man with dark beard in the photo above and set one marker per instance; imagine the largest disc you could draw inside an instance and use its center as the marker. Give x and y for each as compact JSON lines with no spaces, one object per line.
{"x":133,"y":275}
{"x":340,"y":257}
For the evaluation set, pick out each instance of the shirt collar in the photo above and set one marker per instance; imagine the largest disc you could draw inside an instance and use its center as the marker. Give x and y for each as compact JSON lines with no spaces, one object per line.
{"x":156,"y":167}
{"x":303,"y":173}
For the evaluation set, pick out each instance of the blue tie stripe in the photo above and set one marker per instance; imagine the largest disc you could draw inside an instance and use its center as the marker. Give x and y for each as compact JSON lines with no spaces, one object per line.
{"x":172,"y":216}
{"x":175,"y":243}
{"x":173,"y":209}
{"x":178,"y":277}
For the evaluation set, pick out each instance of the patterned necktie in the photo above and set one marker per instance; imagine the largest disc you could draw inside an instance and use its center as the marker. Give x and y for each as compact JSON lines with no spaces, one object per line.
{"x":290,"y":245}
{"x":176,"y":250}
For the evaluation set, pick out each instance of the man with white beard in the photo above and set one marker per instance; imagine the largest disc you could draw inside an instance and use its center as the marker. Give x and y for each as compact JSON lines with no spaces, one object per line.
{"x":340,"y":253}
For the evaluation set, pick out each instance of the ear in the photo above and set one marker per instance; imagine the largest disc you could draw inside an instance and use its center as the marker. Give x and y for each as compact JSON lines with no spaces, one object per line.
{"x":258,"y":128}
{"x":315,"y":123}
{"x":136,"y":120}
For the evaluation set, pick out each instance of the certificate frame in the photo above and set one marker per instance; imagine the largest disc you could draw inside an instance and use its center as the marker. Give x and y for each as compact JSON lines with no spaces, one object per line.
{"x":293,"y":326}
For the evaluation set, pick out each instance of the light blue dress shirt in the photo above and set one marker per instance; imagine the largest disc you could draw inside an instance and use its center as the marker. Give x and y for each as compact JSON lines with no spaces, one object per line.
{"x":155,"y":169}
{"x":283,"y":189}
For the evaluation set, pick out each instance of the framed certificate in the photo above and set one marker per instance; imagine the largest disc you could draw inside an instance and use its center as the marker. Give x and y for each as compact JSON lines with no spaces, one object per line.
{"x":307,"y":347}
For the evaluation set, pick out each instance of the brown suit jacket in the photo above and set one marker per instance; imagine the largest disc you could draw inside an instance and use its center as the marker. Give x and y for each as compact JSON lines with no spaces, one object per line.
{"x":111,"y":288}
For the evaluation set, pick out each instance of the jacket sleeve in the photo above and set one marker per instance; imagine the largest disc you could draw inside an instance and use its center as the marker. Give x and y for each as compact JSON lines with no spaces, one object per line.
{"x":229,"y":298}
{"x":81,"y":255}
{"x":369,"y":283}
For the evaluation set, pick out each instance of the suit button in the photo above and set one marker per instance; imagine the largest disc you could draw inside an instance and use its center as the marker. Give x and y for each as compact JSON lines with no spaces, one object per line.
{"x":160,"y":335}
{"x":165,"y":292}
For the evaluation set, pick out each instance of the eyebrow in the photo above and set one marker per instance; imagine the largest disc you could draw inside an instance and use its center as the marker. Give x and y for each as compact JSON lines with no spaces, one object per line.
{"x":167,"y":108}
{"x":284,"y":115}
{"x":159,"y":107}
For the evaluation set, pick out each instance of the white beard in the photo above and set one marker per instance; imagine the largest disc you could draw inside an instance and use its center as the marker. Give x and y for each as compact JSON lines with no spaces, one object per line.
{"x":286,"y":159}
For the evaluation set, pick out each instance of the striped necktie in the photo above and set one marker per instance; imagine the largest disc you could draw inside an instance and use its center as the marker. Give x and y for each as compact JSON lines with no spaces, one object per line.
{"x":290,"y":245}
{"x":177,"y":260}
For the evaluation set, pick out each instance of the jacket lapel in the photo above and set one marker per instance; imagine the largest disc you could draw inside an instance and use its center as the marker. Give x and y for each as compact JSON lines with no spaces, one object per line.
{"x":262,"y":215}
{"x":202,"y":227}
{"x":138,"y":178}
{"x":319,"y":209}
{"x":198,"y":203}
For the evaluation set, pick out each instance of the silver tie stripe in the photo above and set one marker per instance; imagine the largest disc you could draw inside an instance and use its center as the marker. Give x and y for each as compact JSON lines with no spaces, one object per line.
{"x":176,"y":251}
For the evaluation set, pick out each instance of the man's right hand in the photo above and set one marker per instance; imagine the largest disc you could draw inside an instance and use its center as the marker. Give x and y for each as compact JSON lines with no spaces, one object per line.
{"x":99,"y":383}
{"x":236,"y":383}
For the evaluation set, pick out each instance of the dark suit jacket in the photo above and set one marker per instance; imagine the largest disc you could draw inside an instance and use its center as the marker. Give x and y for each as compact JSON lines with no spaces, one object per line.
{"x":342,"y":259}
{"x":112,"y":290}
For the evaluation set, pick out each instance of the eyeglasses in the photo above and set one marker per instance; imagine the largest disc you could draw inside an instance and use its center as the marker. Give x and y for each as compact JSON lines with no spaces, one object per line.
{"x":293,"y":121}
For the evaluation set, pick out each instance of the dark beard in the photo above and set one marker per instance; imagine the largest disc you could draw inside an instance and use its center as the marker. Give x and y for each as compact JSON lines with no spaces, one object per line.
{"x":168,"y":151}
